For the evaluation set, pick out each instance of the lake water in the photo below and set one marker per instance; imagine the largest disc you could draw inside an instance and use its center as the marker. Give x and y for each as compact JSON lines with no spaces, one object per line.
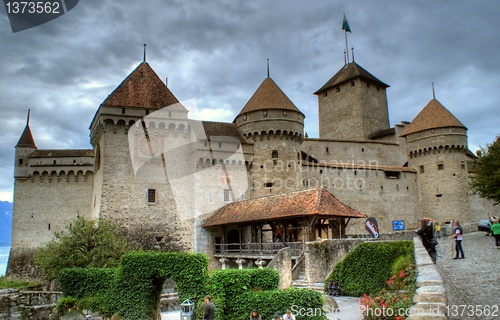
{"x":4,"y":259}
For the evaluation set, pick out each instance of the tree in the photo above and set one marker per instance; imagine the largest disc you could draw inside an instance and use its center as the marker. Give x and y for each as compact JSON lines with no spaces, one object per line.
{"x":83,"y":244}
{"x":486,"y":181}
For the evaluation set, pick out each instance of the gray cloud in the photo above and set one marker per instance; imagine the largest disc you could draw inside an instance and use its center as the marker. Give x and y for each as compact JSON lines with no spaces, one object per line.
{"x":216,"y":52}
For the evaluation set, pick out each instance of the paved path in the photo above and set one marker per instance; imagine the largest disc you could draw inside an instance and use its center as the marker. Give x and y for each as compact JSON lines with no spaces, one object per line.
{"x":473,"y":283}
{"x":349,"y":310}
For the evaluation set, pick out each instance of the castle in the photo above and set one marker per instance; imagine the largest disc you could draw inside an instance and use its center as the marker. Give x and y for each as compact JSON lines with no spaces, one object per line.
{"x":393,"y":174}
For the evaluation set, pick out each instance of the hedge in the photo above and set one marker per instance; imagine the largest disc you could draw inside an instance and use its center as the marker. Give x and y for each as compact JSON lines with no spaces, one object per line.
{"x":366,"y":268}
{"x":135,"y":289}
{"x":237,"y":292}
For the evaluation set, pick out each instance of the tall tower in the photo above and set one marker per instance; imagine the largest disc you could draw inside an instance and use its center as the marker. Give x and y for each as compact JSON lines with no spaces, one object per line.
{"x":24,"y":148}
{"x":437,"y":149}
{"x":140,"y":200}
{"x":276,"y":126}
{"x":352,"y":105}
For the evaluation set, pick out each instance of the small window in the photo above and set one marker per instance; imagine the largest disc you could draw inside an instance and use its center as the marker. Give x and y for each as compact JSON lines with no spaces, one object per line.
{"x":264,"y":113}
{"x":440,"y":166}
{"x":439,"y":195}
{"x":392,"y":174}
{"x":352,"y":84}
{"x":151,"y":195}
{"x":269,"y":184}
{"x":20,"y":161}
{"x":147,"y":111}
{"x":397,"y":187}
{"x":362,"y":149}
{"x":205,"y":143}
{"x":74,"y":162}
{"x":226,"y":195}
{"x":123,"y":110}
{"x":55,"y":162}
{"x":245,"y":117}
{"x":422,"y":169}
{"x":320,"y":171}
{"x":274,"y":154}
{"x":220,"y":144}
{"x":433,"y":131}
{"x":381,"y":188}
{"x":284,"y":113}
{"x":326,"y":93}
{"x":338,"y":89}
{"x":305,"y":183}
{"x":327,"y":150}
{"x":48,"y":226}
{"x":463,"y":165}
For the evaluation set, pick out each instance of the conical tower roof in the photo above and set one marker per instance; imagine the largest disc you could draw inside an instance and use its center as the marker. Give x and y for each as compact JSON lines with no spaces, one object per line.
{"x":348,"y":72}
{"x":26,"y":140}
{"x":434,"y":115}
{"x":142,"y":88}
{"x":269,"y":96}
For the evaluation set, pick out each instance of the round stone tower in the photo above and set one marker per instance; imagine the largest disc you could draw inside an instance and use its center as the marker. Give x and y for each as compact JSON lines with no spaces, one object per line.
{"x":276,"y":126}
{"x":438,"y":149}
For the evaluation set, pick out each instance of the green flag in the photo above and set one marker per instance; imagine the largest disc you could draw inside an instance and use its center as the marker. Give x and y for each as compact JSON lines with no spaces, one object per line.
{"x":345,"y":25}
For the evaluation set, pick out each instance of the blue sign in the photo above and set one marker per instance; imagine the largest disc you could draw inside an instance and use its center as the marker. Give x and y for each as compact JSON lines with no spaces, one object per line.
{"x":398,"y":225}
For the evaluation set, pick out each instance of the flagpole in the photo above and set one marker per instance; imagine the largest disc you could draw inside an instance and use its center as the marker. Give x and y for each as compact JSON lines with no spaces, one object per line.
{"x":346,"y":46}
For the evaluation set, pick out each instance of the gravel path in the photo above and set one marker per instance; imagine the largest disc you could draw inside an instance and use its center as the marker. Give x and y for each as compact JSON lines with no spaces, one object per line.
{"x":473,"y":283}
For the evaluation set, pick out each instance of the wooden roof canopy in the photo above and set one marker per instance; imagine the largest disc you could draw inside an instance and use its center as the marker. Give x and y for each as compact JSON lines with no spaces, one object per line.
{"x":308,"y":203}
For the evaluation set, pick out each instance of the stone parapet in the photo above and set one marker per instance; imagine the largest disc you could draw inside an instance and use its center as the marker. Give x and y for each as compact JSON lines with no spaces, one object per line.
{"x":430,"y":300}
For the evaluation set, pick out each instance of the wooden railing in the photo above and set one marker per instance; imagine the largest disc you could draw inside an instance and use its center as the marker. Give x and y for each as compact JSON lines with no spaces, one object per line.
{"x":258,"y":249}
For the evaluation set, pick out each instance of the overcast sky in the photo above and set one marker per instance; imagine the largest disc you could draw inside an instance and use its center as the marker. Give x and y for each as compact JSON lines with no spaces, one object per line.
{"x":216,"y":51}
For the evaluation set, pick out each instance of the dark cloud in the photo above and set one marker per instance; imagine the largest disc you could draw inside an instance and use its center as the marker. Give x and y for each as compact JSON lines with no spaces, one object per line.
{"x":216,"y":51}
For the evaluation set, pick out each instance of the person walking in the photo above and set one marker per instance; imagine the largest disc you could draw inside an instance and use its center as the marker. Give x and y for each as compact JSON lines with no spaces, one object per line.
{"x":495,"y":231}
{"x":443,"y":230}
{"x":438,"y":231}
{"x":457,"y":235}
{"x":208,"y":309}
{"x":426,"y":234}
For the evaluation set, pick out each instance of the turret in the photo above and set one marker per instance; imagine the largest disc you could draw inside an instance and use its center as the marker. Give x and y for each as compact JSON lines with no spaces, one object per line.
{"x":276,"y":126}
{"x":437,"y":148}
{"x":24,"y":148}
{"x":352,"y":105}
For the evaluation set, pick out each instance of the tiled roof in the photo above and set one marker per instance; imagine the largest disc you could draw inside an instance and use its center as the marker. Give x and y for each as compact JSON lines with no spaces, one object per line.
{"x":433,"y":115}
{"x":224,"y":129}
{"x":305,"y":203}
{"x":26,"y":140}
{"x":348,"y":72}
{"x":57,"y":153}
{"x":269,"y":96}
{"x":142,"y":88}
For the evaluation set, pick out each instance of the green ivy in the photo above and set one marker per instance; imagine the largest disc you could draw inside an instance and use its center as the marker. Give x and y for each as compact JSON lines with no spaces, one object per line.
{"x":366,"y":268}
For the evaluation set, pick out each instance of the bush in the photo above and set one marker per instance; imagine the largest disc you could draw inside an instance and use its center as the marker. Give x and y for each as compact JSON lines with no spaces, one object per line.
{"x":366,"y":268}
{"x":236,"y":292}
{"x":133,"y":290}
{"x":6,"y":283}
{"x":397,"y":295}
{"x":66,"y":304}
{"x":84,"y":244}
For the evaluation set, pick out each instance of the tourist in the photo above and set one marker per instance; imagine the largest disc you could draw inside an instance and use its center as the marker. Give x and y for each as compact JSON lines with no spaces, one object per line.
{"x":208,"y":309}
{"x":443,"y":230}
{"x":426,"y":234}
{"x":255,"y":315}
{"x":457,"y":235}
{"x":438,"y":231}
{"x":495,"y":231}
{"x":288,"y":315}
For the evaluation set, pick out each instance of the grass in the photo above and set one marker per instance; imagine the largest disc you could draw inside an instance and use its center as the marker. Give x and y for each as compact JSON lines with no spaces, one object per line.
{"x":8,"y":283}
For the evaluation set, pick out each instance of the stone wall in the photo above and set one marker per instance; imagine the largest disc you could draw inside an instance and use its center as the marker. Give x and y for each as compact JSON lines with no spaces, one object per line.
{"x":282,"y":262}
{"x":35,"y":305}
{"x":430,"y":299}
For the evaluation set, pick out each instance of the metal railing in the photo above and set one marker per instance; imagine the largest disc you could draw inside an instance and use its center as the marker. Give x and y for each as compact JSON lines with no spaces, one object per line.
{"x":249,"y":248}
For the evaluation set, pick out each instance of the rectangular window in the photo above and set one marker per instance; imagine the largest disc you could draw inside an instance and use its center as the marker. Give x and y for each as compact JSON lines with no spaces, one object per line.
{"x":226,"y":195}
{"x":151,"y":195}
{"x":20,"y":162}
{"x":463,"y":165}
{"x":440,"y":166}
{"x":269,"y":184}
{"x":274,"y":154}
{"x":422,"y":170}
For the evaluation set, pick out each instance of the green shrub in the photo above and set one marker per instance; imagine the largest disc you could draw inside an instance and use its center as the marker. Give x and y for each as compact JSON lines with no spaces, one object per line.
{"x":366,"y":268}
{"x":236,"y":292}
{"x":66,"y":304}
{"x":6,"y":282}
{"x":85,"y":282}
{"x":133,"y":289}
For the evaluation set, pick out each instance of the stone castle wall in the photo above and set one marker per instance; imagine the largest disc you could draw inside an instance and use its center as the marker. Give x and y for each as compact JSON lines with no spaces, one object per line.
{"x":352,"y":110}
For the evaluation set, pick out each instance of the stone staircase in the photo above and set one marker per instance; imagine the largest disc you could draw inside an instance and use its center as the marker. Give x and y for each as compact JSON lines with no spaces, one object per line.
{"x":302,"y":283}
